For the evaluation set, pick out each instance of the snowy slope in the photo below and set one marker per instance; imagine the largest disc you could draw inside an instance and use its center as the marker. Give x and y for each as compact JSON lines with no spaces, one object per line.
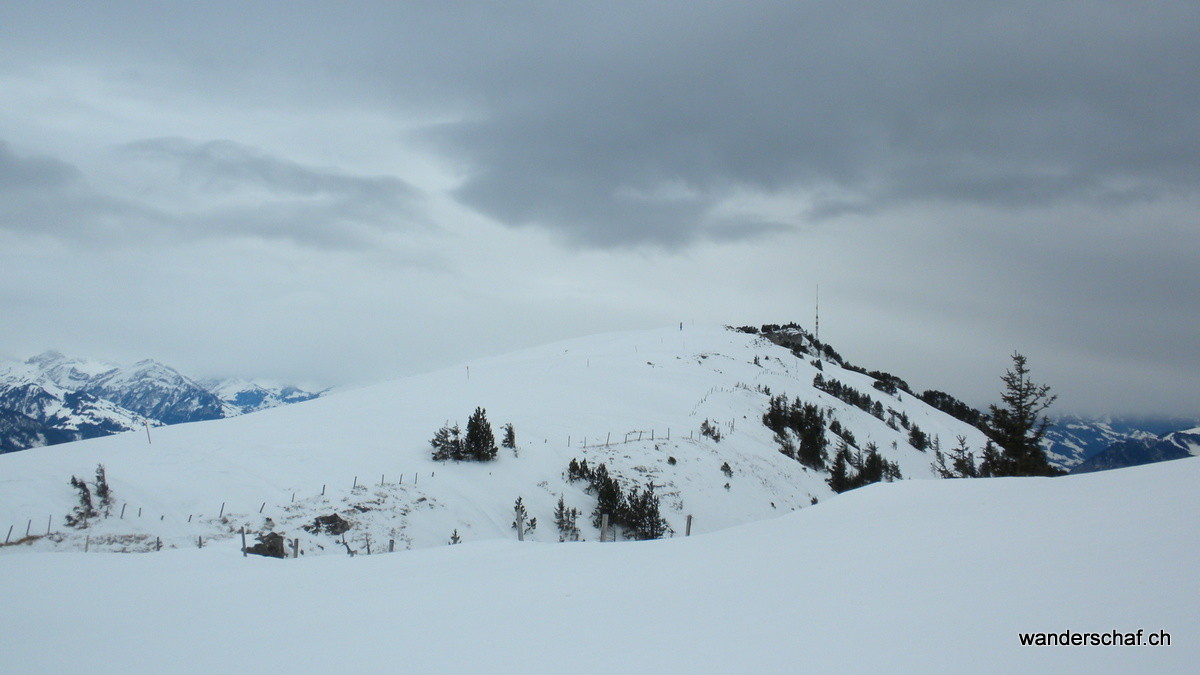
{"x":917,"y":576}
{"x":644,"y":393}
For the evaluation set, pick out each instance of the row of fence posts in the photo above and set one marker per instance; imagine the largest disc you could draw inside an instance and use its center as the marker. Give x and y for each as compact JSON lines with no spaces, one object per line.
{"x":608,"y":437}
{"x":295,"y":543}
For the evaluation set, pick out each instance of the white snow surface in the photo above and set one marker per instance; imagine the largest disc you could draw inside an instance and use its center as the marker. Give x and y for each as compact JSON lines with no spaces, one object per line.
{"x":916,"y":576}
{"x":208,"y":479}
{"x":919,"y":575}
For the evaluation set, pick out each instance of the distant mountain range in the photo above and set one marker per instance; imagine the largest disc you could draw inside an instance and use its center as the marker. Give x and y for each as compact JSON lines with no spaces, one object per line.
{"x":1175,"y":445}
{"x":52,"y":398}
{"x":1074,"y":440}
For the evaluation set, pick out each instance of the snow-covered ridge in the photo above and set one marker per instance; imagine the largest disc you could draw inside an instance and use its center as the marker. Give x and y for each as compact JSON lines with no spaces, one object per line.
{"x":920,"y":576}
{"x":52,"y":398}
{"x":634,"y":401}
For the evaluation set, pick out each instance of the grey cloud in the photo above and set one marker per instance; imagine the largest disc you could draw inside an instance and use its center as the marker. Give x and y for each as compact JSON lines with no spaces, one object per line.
{"x":45,"y":195}
{"x":256,"y":193}
{"x":1010,"y":105}
{"x":222,"y":165}
{"x":37,"y":173}
{"x":243,"y":191}
{"x":561,"y":107}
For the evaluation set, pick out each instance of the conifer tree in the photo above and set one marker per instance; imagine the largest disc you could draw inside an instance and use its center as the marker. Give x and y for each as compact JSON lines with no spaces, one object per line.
{"x":103,"y":492}
{"x":85,"y":510}
{"x":839,"y":472}
{"x":448,"y":443}
{"x":1017,"y":425}
{"x":510,"y":438}
{"x":565,"y":519}
{"x":609,"y":498}
{"x":480,"y":442}
{"x":521,"y":522}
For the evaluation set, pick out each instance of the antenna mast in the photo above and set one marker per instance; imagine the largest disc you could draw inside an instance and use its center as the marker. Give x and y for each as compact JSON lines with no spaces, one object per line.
{"x":817,"y":330}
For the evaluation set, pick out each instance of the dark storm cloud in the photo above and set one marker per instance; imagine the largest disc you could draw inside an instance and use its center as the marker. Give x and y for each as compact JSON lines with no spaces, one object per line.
{"x":1005,"y":105}
{"x":561,"y":110}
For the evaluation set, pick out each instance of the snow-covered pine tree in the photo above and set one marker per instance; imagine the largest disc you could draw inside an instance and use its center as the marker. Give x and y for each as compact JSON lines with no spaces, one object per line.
{"x":565,"y":519}
{"x":448,"y":443}
{"x":521,"y":521}
{"x":480,"y":442}
{"x":85,"y":510}
{"x":510,"y":438}
{"x":609,"y":498}
{"x":104,"y":494}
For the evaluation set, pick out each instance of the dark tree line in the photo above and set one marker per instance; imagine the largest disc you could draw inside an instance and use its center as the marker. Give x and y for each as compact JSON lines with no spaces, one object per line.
{"x":635,"y":510}
{"x":855,"y":469}
{"x":477,"y":445}
{"x":848,"y":394}
{"x":805,"y":422}
{"x":953,"y":407}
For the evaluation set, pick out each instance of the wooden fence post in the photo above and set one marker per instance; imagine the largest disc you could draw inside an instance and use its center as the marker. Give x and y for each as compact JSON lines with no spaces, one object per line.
{"x":6,"y":537}
{"x":322,"y":490}
{"x":158,"y":543}
{"x":87,"y":543}
{"x":264,"y":505}
{"x":296,"y":547}
{"x":222,"y":513}
{"x":199,"y":542}
{"x":603,"y":528}
{"x":48,"y":521}
{"x":607,"y":439}
{"x":687,"y":532}
{"x":355,"y":482}
{"x":123,"y":511}
{"x":27,"y":526}
{"x":139,"y":512}
{"x":391,"y":545}
{"x":189,"y":517}
{"x":243,"y":541}
{"x":381,"y":480}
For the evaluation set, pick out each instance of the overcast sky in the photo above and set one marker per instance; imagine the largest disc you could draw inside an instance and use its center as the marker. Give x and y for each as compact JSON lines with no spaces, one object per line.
{"x":348,"y":192}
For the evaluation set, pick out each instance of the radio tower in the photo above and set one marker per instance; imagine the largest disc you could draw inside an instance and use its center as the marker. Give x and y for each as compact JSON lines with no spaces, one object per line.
{"x":817,"y":327}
